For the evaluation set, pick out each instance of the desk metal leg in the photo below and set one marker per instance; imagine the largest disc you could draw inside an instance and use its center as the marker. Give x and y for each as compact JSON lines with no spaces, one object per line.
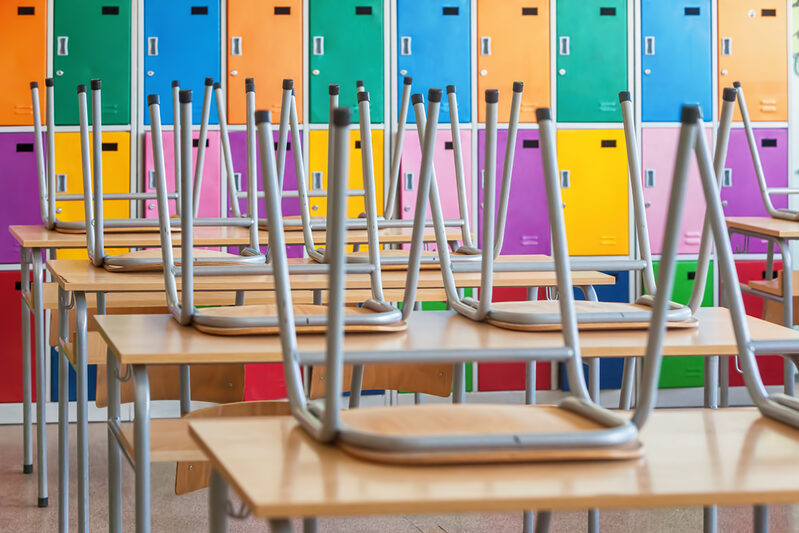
{"x":280,"y":525}
{"x":724,"y":381}
{"x":141,"y":432}
{"x":63,"y":414}
{"x":459,"y":383}
{"x":27,"y":423}
{"x":185,"y":390}
{"x":710,"y":513}
{"x":593,"y":391}
{"x":217,"y":503}
{"x":761,"y":519}
{"x":309,"y":525}
{"x":710,"y":519}
{"x":355,"y":386}
{"x":543,"y":521}
{"x":627,"y":380}
{"x":81,"y":355}
{"x":787,"y":307}
{"x":114,"y":453}
{"x":41,"y":365}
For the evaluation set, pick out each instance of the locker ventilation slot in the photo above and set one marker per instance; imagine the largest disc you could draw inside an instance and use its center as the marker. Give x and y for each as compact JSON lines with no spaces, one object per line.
{"x":237,"y":181}
{"x":24,"y":147}
{"x":607,"y":11}
{"x":60,"y":183}
{"x":768,"y":143}
{"x":110,"y":10}
{"x":26,"y":10}
{"x":151,"y":179}
{"x":196,"y":142}
{"x":363,"y":10}
{"x":529,"y":11}
{"x":565,"y":176}
{"x":450,"y":10}
{"x":691,"y":275}
{"x":318,"y":46}
{"x":110,"y":147}
{"x":357,"y":145}
{"x":282,"y":10}
{"x":448,"y":145}
{"x":288,"y":146}
{"x":692,"y":11}
{"x":530,"y":144}
{"x":485,"y":46}
{"x":405,"y":46}
{"x":649,"y":46}
{"x":726,"y":180}
{"x":726,"y":46}
{"x":316,"y":181}
{"x":199,"y":10}
{"x":768,"y":12}
{"x":409,"y":181}
{"x":608,"y":143}
{"x":649,"y":178}
{"x":152,"y":46}
{"x":235,"y":46}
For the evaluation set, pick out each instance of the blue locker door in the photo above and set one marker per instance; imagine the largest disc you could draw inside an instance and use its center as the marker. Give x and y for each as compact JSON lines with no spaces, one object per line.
{"x":433,"y":47}
{"x":181,"y":42}
{"x":675,"y":58}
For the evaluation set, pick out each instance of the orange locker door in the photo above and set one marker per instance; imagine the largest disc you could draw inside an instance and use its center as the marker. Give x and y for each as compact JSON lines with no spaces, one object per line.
{"x":753,"y":50}
{"x":264,"y":42}
{"x":513,"y":45}
{"x":23,"y":41}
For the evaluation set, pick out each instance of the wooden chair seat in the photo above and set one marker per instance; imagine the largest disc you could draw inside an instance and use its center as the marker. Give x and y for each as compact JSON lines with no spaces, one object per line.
{"x":614,"y":309}
{"x":149,"y":229}
{"x":151,"y":254}
{"x":470,"y":419}
{"x":248,"y":311}
{"x":398,"y":253}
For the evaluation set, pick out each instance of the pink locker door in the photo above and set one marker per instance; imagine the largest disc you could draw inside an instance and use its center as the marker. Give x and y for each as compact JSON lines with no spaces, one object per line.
{"x":20,"y":203}
{"x":659,"y":145}
{"x":211,"y":184}
{"x":444,"y":161}
{"x":739,"y":189}
{"x":527,"y":227}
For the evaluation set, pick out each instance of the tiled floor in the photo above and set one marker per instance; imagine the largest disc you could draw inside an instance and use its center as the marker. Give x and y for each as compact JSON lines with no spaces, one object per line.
{"x":19,"y":514}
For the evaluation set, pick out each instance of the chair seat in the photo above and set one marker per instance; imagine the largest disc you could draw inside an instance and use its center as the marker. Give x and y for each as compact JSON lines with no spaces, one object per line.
{"x":615,"y":312}
{"x":470,"y":419}
{"x":151,"y":260}
{"x":148,"y":229}
{"x":398,"y":253}
{"x":270,"y":310}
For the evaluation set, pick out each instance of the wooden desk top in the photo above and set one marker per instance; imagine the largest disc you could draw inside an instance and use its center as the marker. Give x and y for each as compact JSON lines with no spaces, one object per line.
{"x":772,"y":227}
{"x":157,"y":339}
{"x":79,"y":275}
{"x":693,"y":457}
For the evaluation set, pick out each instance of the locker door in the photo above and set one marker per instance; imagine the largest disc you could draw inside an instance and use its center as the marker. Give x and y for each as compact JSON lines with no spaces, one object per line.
{"x":593,"y":168}
{"x":91,"y":39}
{"x":23,"y":39}
{"x":346,"y":44}
{"x":675,"y":58}
{"x":317,"y":170}
{"x":527,"y":228}
{"x":211,"y":184}
{"x":268,"y":56}
{"x":739,"y":187}
{"x":658,"y":147}
{"x":181,"y":42}
{"x":592,"y":59}
{"x":752,"y":50}
{"x":11,"y":355}
{"x":508,"y":31}
{"x":433,"y":47}
{"x":20,"y":201}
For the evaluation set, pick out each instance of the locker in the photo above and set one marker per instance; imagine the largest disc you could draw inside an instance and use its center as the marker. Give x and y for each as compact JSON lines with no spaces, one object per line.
{"x":592,"y":59}
{"x":181,"y":42}
{"x":20,"y":203}
{"x":675,"y":58}
{"x":752,"y":49}
{"x":659,"y":145}
{"x":507,"y":32}
{"x":685,"y":371}
{"x":317,"y":170}
{"x":346,"y":44}
{"x":11,"y":355}
{"x":267,"y":56}
{"x":739,"y":187}
{"x":91,"y":374}
{"x":433,"y":46}
{"x":527,"y":227}
{"x":593,"y":172}
{"x":211,"y":184}
{"x":91,"y":39}
{"x":23,"y":39}
{"x":69,"y":179}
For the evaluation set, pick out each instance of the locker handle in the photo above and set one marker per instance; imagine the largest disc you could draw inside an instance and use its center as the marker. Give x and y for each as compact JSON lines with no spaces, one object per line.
{"x":237,"y":181}
{"x":235,"y":46}
{"x":63,"y":46}
{"x":405,"y":46}
{"x":409,"y":181}
{"x":318,"y":45}
{"x":316,"y":181}
{"x":649,"y":46}
{"x":726,"y":180}
{"x":726,"y":46}
{"x":60,"y":183}
{"x":649,"y":178}
{"x":485,"y":46}
{"x":151,"y":179}
{"x":565,"y":178}
{"x":691,"y":275}
{"x":563,"y":47}
{"x":152,"y":46}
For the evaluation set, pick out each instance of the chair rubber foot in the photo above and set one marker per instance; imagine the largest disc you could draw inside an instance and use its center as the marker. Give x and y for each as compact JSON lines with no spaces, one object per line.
{"x":27,"y":469}
{"x":42,"y":502}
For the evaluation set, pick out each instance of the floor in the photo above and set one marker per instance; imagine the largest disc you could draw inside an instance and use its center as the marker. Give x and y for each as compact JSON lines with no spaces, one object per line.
{"x":18,"y":511}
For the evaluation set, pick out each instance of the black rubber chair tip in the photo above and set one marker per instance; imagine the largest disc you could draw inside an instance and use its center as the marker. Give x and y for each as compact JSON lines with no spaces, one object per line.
{"x":27,"y":469}
{"x":518,"y":86}
{"x":249,"y":85}
{"x":736,"y":84}
{"x":363,"y":96}
{"x":209,"y":81}
{"x":81,"y":88}
{"x":690,"y":114}
{"x":153,"y":99}
{"x":49,"y":82}
{"x":217,"y":85}
{"x":417,"y":98}
{"x":288,"y":84}
{"x":624,"y":96}
{"x":184,"y":97}
{"x":492,"y":96}
{"x":543,"y":113}
{"x":263,"y":116}
{"x":408,"y":80}
{"x":34,"y":85}
{"x":332,"y":89}
{"x":359,"y":83}
{"x":341,"y":116}
{"x":249,"y":80}
{"x":450,"y":89}
{"x":729,"y":94}
{"x":175,"y":83}
{"x":96,"y":84}
{"x":434,"y":95}
{"x":42,"y":503}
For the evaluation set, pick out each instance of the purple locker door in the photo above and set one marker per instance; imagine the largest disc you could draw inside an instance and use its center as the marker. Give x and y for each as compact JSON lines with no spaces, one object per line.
{"x":21,"y":189}
{"x":527,"y":228}
{"x":658,"y":147}
{"x":444,"y":161}
{"x":739,"y":183}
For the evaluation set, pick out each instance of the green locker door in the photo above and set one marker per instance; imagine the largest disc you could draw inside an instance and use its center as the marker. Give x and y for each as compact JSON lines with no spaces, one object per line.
{"x":91,"y":39}
{"x":346,"y":45}
{"x":592,"y":59}
{"x":685,"y":371}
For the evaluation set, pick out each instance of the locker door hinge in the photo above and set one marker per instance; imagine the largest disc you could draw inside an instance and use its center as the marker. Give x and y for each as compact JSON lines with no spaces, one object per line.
{"x":63,"y":46}
{"x":405,"y":46}
{"x":318,"y":45}
{"x":152,"y":46}
{"x":235,"y":46}
{"x":485,"y":46}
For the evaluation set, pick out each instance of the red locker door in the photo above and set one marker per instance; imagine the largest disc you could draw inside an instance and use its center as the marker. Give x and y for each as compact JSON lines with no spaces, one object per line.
{"x":11,"y":355}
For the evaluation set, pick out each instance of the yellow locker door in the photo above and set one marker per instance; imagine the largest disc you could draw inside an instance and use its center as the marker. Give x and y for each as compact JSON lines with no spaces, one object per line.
{"x":593,"y":168}
{"x":753,"y":50}
{"x":317,"y":170}
{"x":69,"y":179}
{"x":513,"y":45}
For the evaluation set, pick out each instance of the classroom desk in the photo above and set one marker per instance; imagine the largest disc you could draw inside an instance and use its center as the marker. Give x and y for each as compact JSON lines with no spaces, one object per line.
{"x":693,"y":457}
{"x":79,"y":278}
{"x":141,"y":340}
